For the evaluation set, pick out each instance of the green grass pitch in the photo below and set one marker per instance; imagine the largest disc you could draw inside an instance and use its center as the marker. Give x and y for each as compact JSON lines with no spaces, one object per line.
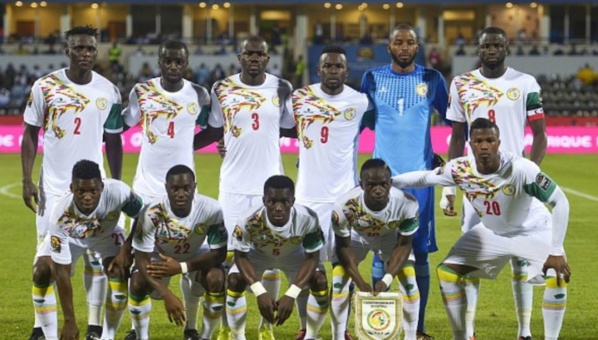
{"x":495,"y":315}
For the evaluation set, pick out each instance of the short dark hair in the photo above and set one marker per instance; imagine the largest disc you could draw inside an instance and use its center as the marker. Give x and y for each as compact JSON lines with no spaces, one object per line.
{"x":254,"y":39}
{"x":173,"y":45}
{"x":483,"y":123}
{"x":86,"y":169}
{"x":279,"y":182}
{"x":333,"y":49}
{"x":374,"y":163}
{"x":403,"y":26}
{"x":493,"y":30}
{"x":81,"y":30}
{"x":179,"y":170}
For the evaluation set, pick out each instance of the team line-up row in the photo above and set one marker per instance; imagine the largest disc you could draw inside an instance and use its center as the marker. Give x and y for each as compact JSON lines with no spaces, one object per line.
{"x":272,"y":225}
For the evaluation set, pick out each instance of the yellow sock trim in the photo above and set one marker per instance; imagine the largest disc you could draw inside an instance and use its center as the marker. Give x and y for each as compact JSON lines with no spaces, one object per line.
{"x":551,"y":282}
{"x":234,"y":294}
{"x":320,"y":293}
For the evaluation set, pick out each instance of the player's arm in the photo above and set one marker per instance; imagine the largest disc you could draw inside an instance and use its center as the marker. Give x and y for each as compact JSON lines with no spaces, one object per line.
{"x":124,"y":259}
{"x":540,"y":140}
{"x":421,"y":179}
{"x":369,"y":118}
{"x":28,"y":153}
{"x":348,"y":260}
{"x":113,"y":127}
{"x":547,"y":191}
{"x":215,"y":123}
{"x":174,"y":307}
{"x":245,"y":267}
{"x":287,"y":119}
{"x":65,"y":292}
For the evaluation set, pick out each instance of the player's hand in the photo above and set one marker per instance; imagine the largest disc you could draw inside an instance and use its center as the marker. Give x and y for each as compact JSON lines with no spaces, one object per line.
{"x":449,"y":209}
{"x":364,"y":287}
{"x":437,"y":161}
{"x":221,"y":148}
{"x":122,"y":262}
{"x":168,"y":267}
{"x":560,"y":266}
{"x":284,"y":307}
{"x":69,"y":331}
{"x":379,"y":288}
{"x":30,"y":195}
{"x":175,"y":309}
{"x":267,"y":307}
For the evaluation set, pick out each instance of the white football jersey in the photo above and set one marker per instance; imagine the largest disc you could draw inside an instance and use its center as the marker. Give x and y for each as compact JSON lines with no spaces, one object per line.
{"x":302,"y":234}
{"x":67,"y":222}
{"x":74,"y":118}
{"x":351,"y":215}
{"x":252,"y":117}
{"x":328,"y":132}
{"x":509,"y":101}
{"x":160,"y":230}
{"x":168,"y":122}
{"x":504,"y":201}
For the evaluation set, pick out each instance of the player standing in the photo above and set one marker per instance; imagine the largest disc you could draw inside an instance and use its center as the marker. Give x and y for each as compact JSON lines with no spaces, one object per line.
{"x":508,"y":98}
{"x":405,"y":95}
{"x":284,"y":235}
{"x":168,"y":107}
{"x":185,"y":229}
{"x":77,"y":108}
{"x":379,"y":217}
{"x":248,"y":110}
{"x":86,"y":218}
{"x":507,"y":192}
{"x":328,"y":116}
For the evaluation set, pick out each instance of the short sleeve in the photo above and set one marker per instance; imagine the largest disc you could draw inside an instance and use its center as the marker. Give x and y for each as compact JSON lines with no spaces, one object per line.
{"x":114,"y":123}
{"x":132,"y":113}
{"x":144,"y":237}
{"x":241,"y":239}
{"x":60,"y":251}
{"x":36,"y":107}
{"x":217,"y":233}
{"x":533,"y":101}
{"x":216,"y":117}
{"x":537,"y":183}
{"x":339,"y":221}
{"x":410,"y":218}
{"x":314,"y":238}
{"x":455,"y":110}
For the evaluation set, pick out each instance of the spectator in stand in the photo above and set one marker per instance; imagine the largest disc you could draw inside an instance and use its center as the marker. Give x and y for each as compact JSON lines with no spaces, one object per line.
{"x":299,"y":70}
{"x":534,"y":50}
{"x":217,"y":73}
{"x":460,"y":51}
{"x":519,"y":51}
{"x":587,"y":75}
{"x":573,"y":50}
{"x":435,"y":59}
{"x":145,"y":73}
{"x":114,"y":57}
{"x":202,"y":75}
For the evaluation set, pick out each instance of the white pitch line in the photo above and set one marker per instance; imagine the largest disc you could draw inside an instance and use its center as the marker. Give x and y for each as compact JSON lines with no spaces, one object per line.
{"x":580,"y":194}
{"x":5,"y":190}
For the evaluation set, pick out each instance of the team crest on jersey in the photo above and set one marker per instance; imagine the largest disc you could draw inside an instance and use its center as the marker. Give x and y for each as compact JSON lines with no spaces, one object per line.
{"x":276,"y":101}
{"x":259,"y":238}
{"x":350,"y":113}
{"x":112,"y":216}
{"x":513,"y":93}
{"x":201,"y":228}
{"x":296,"y":240}
{"x":102,"y":103}
{"x":422,"y":89}
{"x":238,"y":233}
{"x":393,"y":224}
{"x":55,"y":244}
{"x":508,"y":190}
{"x":192,"y":108}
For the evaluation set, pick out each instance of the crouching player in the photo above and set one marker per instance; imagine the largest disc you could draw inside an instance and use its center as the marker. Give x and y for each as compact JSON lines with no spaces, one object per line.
{"x":283,"y":235}
{"x":378,"y":217}
{"x":507,"y":192}
{"x":185,"y":230}
{"x":86,"y":218}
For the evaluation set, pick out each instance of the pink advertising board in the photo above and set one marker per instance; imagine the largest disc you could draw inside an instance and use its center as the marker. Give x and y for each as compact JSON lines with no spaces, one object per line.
{"x":582,"y":140}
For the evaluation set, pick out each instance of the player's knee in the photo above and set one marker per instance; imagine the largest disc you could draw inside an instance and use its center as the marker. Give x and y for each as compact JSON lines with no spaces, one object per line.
{"x":214,"y":280}
{"x":138,"y":285}
{"x":318,"y":282}
{"x":42,"y":271}
{"x":236,"y":283}
{"x":421,"y":259}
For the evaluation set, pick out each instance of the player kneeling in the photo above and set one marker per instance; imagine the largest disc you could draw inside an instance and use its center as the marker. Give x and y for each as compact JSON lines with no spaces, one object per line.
{"x":86,"y":218}
{"x":285,"y":236}
{"x":182,"y":233}
{"x":378,"y":217}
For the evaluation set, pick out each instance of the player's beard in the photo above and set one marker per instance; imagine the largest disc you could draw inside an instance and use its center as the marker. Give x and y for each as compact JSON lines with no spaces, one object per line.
{"x":402,"y":64}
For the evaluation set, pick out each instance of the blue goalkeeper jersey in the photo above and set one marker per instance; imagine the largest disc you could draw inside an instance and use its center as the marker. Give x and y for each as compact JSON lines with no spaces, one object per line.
{"x":404,"y":105}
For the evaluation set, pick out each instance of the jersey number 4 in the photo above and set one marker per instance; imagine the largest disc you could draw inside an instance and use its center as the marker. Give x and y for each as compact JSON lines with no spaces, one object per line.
{"x":170,"y":131}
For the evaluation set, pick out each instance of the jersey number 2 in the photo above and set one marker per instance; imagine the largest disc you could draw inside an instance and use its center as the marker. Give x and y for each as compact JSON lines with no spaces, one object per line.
{"x":170,"y":131}
{"x":77,"y":130}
